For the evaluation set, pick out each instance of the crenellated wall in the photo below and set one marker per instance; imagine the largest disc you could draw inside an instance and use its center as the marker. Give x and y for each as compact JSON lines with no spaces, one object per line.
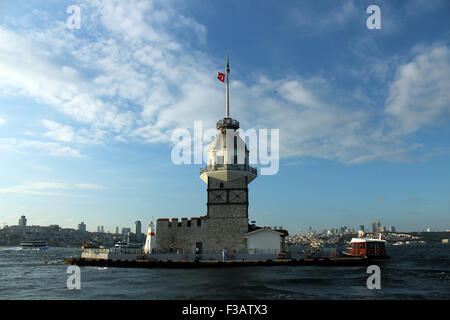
{"x":179,"y":234}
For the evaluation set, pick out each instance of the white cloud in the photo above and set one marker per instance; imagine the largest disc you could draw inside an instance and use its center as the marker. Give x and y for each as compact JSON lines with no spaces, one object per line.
{"x":420,"y":94}
{"x":2,"y":121}
{"x":145,"y":81}
{"x":52,"y":148}
{"x":59,"y":132}
{"x":47,"y":188}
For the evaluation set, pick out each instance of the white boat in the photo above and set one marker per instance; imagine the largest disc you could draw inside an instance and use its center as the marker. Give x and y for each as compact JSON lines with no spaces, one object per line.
{"x":34,"y":245}
{"x":123,"y":246}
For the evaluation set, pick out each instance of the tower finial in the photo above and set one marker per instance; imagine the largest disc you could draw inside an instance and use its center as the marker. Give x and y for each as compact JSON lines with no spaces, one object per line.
{"x":227,"y":114}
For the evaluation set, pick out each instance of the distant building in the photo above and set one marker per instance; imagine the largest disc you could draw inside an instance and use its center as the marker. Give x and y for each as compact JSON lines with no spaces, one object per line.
{"x":54,"y":227}
{"x":82,"y":227}
{"x":391,"y":229}
{"x":376,"y":226}
{"x":117,"y":230}
{"x":383,"y":229}
{"x":361,"y":227}
{"x":126,"y":231}
{"x":22,"y":221}
{"x":102,"y":229}
{"x":137,"y":228}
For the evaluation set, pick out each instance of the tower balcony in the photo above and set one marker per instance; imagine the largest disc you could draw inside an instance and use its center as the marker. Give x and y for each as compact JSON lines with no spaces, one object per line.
{"x":228,"y":172}
{"x":227,"y":123}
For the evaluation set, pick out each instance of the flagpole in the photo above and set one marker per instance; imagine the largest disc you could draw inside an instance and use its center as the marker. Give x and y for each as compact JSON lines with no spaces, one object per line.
{"x":228,"y":92}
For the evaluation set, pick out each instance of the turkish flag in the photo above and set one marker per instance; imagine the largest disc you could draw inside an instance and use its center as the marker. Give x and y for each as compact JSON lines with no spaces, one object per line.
{"x":221,"y":77}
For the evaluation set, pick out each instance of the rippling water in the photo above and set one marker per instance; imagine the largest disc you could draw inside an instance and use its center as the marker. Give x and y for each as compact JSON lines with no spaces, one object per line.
{"x":413,"y":272}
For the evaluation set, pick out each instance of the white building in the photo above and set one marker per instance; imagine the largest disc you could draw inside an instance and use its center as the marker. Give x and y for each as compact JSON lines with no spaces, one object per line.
{"x":264,"y":240}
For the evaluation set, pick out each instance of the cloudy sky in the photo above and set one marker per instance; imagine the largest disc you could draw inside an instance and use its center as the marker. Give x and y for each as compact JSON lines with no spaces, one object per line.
{"x":86,"y":115}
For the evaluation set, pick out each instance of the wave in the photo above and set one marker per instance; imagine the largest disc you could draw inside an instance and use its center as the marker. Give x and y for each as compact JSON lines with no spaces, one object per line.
{"x":11,"y":249}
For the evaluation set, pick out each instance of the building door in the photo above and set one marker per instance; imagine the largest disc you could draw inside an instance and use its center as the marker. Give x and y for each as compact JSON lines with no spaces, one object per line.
{"x":199,"y":246}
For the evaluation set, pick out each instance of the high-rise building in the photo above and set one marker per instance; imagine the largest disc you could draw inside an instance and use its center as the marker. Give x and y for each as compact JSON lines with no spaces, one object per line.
{"x":137,"y":228}
{"x":82,"y":227}
{"x":117,"y":230}
{"x":383,"y":229}
{"x":361,"y":227}
{"x":22,"y":221}
{"x":102,"y":229}
{"x":126,"y":231}
{"x":376,"y":226}
{"x":391,"y":229}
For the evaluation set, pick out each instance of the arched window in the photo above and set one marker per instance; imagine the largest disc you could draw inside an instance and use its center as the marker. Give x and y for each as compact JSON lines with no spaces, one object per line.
{"x":221,"y":185}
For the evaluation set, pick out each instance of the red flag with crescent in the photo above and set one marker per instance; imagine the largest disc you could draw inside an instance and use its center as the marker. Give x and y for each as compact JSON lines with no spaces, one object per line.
{"x":221,"y":76}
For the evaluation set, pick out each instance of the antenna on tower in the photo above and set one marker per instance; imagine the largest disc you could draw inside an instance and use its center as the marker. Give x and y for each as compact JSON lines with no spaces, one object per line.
{"x":227,"y":69}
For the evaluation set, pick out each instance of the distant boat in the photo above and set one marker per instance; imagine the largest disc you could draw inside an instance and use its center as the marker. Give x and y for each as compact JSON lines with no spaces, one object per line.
{"x":126,"y":245}
{"x":372,"y":248}
{"x":35,"y":245}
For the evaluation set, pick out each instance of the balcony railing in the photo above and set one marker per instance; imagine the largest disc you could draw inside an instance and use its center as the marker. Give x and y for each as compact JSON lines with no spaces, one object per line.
{"x":234,"y":167}
{"x":228,"y":123}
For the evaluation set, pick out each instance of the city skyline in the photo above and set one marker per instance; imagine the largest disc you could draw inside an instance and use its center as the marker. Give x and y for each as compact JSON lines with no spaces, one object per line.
{"x":86,"y":115}
{"x":82,"y":226}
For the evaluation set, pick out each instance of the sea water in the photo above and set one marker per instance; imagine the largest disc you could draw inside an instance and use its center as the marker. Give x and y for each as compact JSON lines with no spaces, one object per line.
{"x":413,"y":272}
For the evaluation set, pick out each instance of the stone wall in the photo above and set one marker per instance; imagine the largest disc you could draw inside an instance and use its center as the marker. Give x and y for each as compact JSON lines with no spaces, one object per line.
{"x":224,"y":226}
{"x":228,"y":217}
{"x":184,"y":234}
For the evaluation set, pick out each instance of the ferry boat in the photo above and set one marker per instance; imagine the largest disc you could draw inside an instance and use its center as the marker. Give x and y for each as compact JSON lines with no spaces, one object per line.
{"x":371,"y":248}
{"x":36,"y":245}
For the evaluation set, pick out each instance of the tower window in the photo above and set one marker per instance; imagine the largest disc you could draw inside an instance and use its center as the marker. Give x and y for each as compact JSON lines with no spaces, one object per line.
{"x":221,"y":185}
{"x":199,"y":222}
{"x":188,"y":223}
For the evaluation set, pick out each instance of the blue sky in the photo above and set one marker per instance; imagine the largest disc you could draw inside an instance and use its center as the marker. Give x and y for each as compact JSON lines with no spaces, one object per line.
{"x":86,"y":115}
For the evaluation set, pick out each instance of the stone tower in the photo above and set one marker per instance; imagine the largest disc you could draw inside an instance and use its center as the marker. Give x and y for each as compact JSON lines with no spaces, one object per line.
{"x":227,"y":175}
